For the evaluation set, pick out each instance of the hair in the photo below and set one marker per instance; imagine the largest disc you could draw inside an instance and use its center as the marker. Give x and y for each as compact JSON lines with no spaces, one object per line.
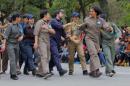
{"x":97,"y":10}
{"x":43,"y":13}
{"x":14,"y":16}
{"x":104,"y":16}
{"x":57,"y":12}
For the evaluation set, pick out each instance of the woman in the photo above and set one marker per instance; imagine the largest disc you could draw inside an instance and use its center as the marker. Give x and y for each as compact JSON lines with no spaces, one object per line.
{"x":28,"y":41}
{"x":75,"y":44}
{"x":92,"y":26}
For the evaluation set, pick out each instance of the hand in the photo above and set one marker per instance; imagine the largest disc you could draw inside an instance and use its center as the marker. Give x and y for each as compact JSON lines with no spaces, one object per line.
{"x":20,"y":38}
{"x":68,"y":36}
{"x":35,"y":46}
{"x":44,"y":26}
{"x":3,"y":47}
{"x":62,"y":38}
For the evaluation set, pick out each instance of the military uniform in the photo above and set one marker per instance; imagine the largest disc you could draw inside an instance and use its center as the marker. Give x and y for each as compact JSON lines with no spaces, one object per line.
{"x":92,"y":28}
{"x":12,"y":33}
{"x":108,"y":45}
{"x":44,"y":47}
{"x":72,"y":30}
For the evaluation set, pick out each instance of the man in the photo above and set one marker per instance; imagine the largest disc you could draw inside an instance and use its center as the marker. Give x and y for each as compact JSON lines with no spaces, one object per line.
{"x":12,"y":36}
{"x":75,"y":43}
{"x":55,"y":41}
{"x":23,"y":23}
{"x":42,"y":33}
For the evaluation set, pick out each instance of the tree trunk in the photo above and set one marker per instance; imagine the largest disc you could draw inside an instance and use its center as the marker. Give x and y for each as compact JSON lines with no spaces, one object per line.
{"x":82,"y":8}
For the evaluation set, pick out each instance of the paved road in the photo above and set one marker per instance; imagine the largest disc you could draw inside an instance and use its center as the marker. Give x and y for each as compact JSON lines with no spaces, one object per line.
{"x":122,"y":78}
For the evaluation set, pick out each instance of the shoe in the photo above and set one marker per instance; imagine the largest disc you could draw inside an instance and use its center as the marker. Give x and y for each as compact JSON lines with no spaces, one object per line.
{"x":47,"y":75}
{"x":2,"y":73}
{"x":110,"y":74}
{"x":34,"y":72}
{"x":85,"y":72}
{"x":18,"y":72}
{"x":25,"y":72}
{"x":62,"y":72}
{"x":70,"y":73}
{"x":14,"y":77}
{"x":113,"y":71}
{"x":51,"y":73}
{"x":95,"y":73}
{"x":39,"y":75}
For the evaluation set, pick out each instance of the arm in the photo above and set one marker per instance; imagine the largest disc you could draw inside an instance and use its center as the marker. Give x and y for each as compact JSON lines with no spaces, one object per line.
{"x":36,"y":42}
{"x":3,"y":45}
{"x":21,"y":32}
{"x":56,"y":24}
{"x":105,"y":25}
{"x":75,"y":39}
{"x":6,"y":35}
{"x":3,"y":26}
{"x":66,"y":25}
{"x":36,"y":33}
{"x":52,"y":31}
{"x":83,"y":25}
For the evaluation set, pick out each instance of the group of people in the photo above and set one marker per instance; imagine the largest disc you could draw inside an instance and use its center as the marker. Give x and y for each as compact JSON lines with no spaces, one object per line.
{"x":123,"y":48}
{"x":37,"y":45}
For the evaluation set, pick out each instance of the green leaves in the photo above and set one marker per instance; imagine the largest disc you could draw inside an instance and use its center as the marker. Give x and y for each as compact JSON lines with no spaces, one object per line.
{"x":118,"y":10}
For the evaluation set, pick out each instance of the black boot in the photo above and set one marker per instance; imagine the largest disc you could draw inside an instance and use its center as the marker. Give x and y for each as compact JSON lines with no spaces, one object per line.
{"x":25,"y":72}
{"x":62,"y":72}
{"x":113,"y":71}
{"x":51,"y":73}
{"x":34,"y":72}
{"x":14,"y":77}
{"x":70,"y":72}
{"x":85,"y":72}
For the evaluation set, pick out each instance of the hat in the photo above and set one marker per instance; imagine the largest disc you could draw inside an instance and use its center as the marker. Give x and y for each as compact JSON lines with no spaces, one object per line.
{"x":75,"y":14}
{"x":30,"y":16}
{"x":25,"y":16}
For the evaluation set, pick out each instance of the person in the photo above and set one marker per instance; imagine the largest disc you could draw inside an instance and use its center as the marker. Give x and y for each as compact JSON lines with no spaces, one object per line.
{"x":127,"y":49}
{"x":55,"y":41}
{"x":75,"y":44}
{"x":28,"y":41}
{"x":3,"y":55}
{"x":108,"y":46}
{"x":12,"y":36}
{"x":64,"y":52}
{"x":91,"y":26}
{"x":22,"y":59}
{"x":42,"y":33}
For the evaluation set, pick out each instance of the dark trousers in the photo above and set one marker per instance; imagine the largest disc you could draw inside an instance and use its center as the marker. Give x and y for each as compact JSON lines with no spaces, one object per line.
{"x":22,"y":57}
{"x":55,"y":56}
{"x":28,"y":51}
